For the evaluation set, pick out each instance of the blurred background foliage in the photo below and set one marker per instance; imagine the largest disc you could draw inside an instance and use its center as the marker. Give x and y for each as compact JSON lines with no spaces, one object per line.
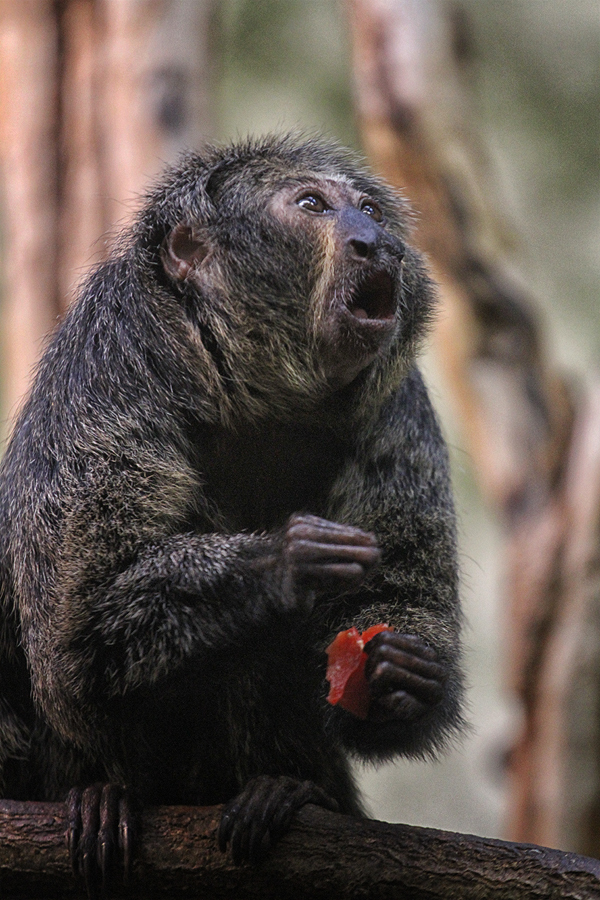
{"x":285,"y":64}
{"x":536,"y":63}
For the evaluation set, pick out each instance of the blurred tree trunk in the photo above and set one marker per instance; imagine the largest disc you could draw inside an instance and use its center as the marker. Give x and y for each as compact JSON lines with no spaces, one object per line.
{"x":95,"y":96}
{"x":535,"y":444}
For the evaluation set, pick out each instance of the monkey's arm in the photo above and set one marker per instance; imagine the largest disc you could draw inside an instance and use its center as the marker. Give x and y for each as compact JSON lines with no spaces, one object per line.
{"x":187,"y":594}
{"x":130,"y":605}
{"x":404,"y":498}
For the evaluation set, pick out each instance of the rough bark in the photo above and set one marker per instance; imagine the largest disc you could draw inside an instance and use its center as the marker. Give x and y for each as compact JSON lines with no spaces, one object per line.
{"x":325,"y":855}
{"x":529,"y":434}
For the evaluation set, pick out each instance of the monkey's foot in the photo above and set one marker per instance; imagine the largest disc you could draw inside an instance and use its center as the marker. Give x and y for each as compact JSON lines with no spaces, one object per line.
{"x":100,"y":834}
{"x":257,"y":818}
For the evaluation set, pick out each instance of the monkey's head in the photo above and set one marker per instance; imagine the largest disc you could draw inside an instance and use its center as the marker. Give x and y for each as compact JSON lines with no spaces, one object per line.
{"x":291,"y":264}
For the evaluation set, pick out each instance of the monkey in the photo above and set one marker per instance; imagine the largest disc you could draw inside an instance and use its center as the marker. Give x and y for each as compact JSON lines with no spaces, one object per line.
{"x":228,"y":455}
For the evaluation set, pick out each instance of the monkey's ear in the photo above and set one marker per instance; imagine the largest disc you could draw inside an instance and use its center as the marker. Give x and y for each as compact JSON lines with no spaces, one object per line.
{"x":181,"y":252}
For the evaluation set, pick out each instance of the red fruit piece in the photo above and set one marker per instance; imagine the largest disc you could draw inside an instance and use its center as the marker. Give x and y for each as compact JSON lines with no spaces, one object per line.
{"x":346,"y":670}
{"x":343,"y":658}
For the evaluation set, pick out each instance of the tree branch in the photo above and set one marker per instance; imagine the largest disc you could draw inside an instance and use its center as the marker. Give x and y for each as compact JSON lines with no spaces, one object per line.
{"x":325,"y":855}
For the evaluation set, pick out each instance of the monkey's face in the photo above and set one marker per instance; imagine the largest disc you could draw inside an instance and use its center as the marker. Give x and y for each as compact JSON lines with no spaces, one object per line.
{"x":352,"y":313}
{"x":295,"y":272}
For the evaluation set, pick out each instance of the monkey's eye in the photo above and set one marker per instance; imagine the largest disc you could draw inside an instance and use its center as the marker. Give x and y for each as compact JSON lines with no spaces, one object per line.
{"x":371,"y":209}
{"x":313,"y":203}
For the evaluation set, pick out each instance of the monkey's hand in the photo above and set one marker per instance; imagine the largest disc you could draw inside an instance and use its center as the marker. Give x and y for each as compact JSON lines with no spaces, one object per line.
{"x":258,"y":817}
{"x":319,"y":555}
{"x":100,"y":834}
{"x":404,"y":677}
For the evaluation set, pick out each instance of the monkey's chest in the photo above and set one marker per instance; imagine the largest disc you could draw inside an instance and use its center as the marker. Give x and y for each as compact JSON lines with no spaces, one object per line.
{"x":258,"y":708}
{"x":256,"y":479}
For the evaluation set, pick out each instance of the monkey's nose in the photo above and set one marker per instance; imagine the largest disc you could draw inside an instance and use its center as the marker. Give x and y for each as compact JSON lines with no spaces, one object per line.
{"x":360,"y":234}
{"x":361,"y":249}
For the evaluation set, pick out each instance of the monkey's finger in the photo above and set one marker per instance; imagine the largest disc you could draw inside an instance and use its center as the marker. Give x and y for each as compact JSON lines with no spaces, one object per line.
{"x":74,"y":826}
{"x":127,"y":834}
{"x":240,"y":842}
{"x":388,"y":653}
{"x":236,"y":841}
{"x":388,"y":678}
{"x":88,"y":844}
{"x":249,"y":819}
{"x":313,"y":550}
{"x":106,"y":857}
{"x":410,"y":643}
{"x":263,"y":836}
{"x":108,"y":830}
{"x":398,"y":705}
{"x":231,"y":817}
{"x":259,"y":842}
{"x":313,"y":528}
{"x":226,"y":824}
{"x":89,"y":868}
{"x":282,"y":788}
{"x":303,"y":793}
{"x":329,"y":536}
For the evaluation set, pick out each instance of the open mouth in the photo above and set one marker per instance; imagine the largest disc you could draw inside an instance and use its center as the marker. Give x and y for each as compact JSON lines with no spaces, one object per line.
{"x":374,"y":299}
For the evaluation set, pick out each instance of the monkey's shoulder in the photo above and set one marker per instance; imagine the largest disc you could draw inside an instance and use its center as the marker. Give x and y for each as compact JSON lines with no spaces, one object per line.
{"x":407,"y":422}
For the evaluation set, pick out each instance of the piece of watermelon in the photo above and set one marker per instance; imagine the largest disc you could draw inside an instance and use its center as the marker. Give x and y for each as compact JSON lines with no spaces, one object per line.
{"x":346,"y":669}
